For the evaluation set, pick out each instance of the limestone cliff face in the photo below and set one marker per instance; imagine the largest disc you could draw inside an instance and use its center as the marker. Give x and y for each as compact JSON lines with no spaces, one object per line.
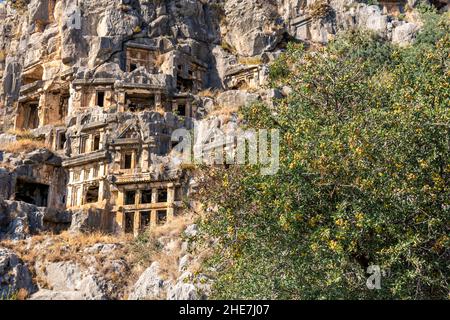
{"x":74,"y":36}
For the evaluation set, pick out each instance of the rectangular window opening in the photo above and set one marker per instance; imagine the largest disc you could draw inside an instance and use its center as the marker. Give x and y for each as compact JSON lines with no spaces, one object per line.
{"x":145,"y":219}
{"x":61,"y":140}
{"x":101,"y":98}
{"x":162,"y":195}
{"x":130,"y":197}
{"x":96,"y":145}
{"x":33,"y":193}
{"x":129,"y":222}
{"x":146,"y":196}
{"x":181,"y":110}
{"x":127,"y":161}
{"x":92,"y":194}
{"x":83,"y":142}
{"x":162,"y":216}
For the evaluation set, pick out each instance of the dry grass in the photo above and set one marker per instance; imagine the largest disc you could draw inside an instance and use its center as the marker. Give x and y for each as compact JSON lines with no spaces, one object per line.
{"x":26,"y":142}
{"x":63,"y":247}
{"x":226,"y":111}
{"x":173,"y":228}
{"x":21,"y":134}
{"x":68,"y":247}
{"x":22,"y":145}
{"x":210,"y":93}
{"x":2,"y":55}
{"x":137,"y":254}
{"x":148,"y":248}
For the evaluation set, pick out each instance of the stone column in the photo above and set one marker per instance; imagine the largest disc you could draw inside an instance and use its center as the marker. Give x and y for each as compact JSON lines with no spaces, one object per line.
{"x":145,"y":158}
{"x":117,"y":160}
{"x":120,"y":198}
{"x":42,"y":110}
{"x":79,"y":201}
{"x":120,"y":220}
{"x":189,"y":111}
{"x":174,"y":106}
{"x":170,"y":202}
{"x":137,"y":223}
{"x":137,"y":197}
{"x":153,"y":219}
{"x":69,"y":196}
{"x":133,"y":160}
{"x":20,"y":115}
{"x":101,"y":190}
{"x":121,"y":101}
{"x":108,"y":99}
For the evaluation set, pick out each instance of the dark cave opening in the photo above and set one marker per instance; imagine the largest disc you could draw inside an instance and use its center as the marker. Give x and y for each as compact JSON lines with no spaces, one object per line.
{"x":32,"y":193}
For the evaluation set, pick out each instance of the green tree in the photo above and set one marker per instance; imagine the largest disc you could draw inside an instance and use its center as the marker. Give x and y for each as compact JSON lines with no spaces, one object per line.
{"x":364,"y":177}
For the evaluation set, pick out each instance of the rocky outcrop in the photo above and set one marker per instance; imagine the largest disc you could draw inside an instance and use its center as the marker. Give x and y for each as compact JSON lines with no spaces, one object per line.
{"x":14,"y":275}
{"x":404,"y":33}
{"x":92,"y":274}
{"x":87,"y":220}
{"x":252,"y":26}
{"x":236,"y":98}
{"x":84,"y":35}
{"x":190,"y":287}
{"x":153,"y":284}
{"x":70,"y":280}
{"x":38,"y":179}
{"x":150,"y":285}
{"x":19,"y":220}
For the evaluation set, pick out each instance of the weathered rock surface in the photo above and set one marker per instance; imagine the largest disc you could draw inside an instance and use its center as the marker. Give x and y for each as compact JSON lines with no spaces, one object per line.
{"x":68,"y":278}
{"x":14,"y":274}
{"x":19,"y":219}
{"x":91,"y":34}
{"x":236,"y":98}
{"x":150,"y":285}
{"x":189,"y":287}
{"x":94,"y":273}
{"x":85,"y":220}
{"x":153,"y":285}
{"x":404,"y":34}
{"x":252,"y":26}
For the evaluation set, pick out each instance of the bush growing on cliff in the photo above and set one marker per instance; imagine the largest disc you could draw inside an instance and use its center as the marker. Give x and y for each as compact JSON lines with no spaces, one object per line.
{"x":364,"y":178}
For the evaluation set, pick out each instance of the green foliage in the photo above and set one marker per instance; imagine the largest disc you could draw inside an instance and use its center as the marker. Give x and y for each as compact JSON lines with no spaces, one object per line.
{"x":364,"y":177}
{"x":424,"y":6}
